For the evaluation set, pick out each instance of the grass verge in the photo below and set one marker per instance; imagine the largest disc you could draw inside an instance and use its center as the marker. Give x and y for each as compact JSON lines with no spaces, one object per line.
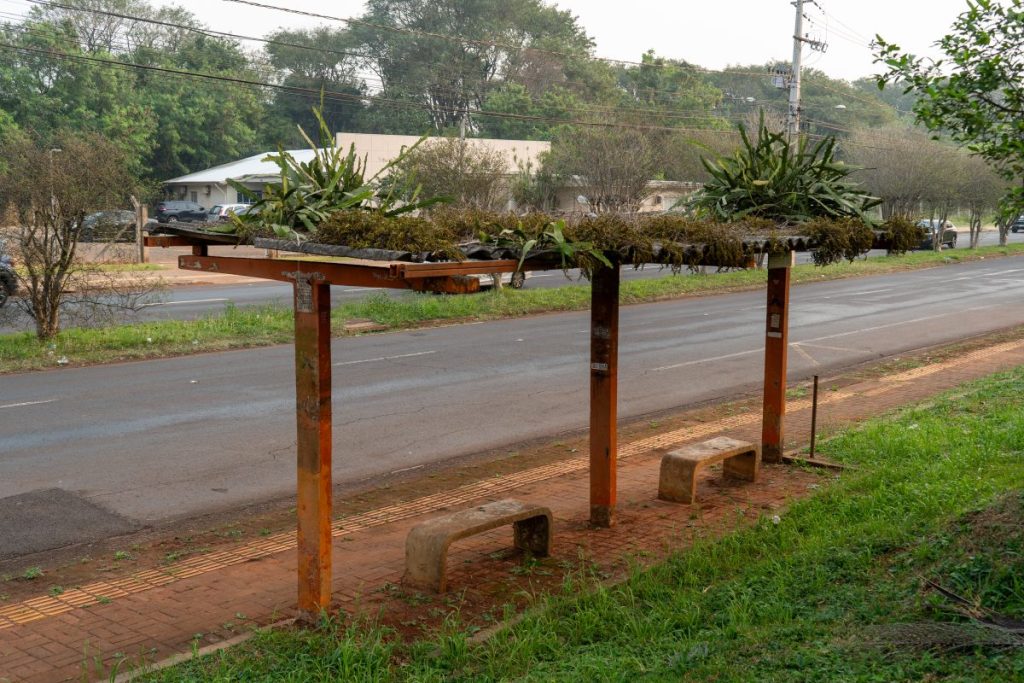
{"x":264,"y":325}
{"x":837,"y":588}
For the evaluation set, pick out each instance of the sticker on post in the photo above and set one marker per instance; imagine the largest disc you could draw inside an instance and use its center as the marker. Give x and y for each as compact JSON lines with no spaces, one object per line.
{"x":303,"y":289}
{"x":303,"y":295}
{"x":775,"y":321}
{"x":599,"y":366}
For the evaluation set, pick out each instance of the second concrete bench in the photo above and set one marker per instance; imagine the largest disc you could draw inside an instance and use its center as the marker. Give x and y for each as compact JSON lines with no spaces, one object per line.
{"x":678,"y":478}
{"x":426,"y":546}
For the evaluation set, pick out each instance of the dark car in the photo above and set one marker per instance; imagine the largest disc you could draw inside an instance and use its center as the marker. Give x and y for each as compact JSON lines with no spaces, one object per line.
{"x":930,"y":226}
{"x":1018,"y":224}
{"x":113,"y":225}
{"x":171,"y":211}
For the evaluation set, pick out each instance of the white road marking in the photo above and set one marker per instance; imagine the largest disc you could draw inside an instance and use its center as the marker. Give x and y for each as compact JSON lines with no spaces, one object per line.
{"x":816,"y":339}
{"x":707,"y":360}
{"x":844,"y":349}
{"x":28,"y":403}
{"x":888,"y":325}
{"x":185,"y":301}
{"x":799,"y":349}
{"x":380,"y":358}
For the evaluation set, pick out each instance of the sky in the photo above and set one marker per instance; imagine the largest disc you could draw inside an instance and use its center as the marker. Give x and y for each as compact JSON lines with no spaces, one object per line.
{"x":710,"y":33}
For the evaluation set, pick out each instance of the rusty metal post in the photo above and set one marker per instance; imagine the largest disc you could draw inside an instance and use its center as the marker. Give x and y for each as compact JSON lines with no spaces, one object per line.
{"x":313,"y":413}
{"x":814,"y":415}
{"x":775,"y":356}
{"x":604,"y":362}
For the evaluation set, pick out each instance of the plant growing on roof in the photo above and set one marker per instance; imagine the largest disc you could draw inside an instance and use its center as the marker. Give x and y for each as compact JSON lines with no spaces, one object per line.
{"x":774,"y":179}
{"x":310,"y":191}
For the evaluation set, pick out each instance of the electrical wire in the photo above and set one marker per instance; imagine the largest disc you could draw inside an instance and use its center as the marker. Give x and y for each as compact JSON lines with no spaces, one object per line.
{"x":337,"y":96}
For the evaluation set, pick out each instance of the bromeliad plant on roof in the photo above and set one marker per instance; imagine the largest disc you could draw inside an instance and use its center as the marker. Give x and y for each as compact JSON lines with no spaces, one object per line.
{"x":311,"y":191}
{"x":789,"y":183}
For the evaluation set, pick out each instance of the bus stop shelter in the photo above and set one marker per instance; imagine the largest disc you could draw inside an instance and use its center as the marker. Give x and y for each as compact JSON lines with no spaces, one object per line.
{"x":311,"y":280}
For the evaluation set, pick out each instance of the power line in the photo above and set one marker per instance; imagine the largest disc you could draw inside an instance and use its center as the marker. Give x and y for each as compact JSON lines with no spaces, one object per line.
{"x":312,"y":93}
{"x":488,"y":43}
{"x":670,"y":114}
{"x":56,"y":54}
{"x":232,"y":36}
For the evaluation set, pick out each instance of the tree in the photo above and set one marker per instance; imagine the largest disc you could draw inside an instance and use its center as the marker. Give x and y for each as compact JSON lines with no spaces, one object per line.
{"x":320,"y":59}
{"x":903,"y":167}
{"x":669,"y":85}
{"x":980,"y":193}
{"x":975,"y":92}
{"x":498,"y":41}
{"x":609,"y":165}
{"x":468,"y":174}
{"x":828,"y":106}
{"x":48,"y":186}
{"x":682,"y":152}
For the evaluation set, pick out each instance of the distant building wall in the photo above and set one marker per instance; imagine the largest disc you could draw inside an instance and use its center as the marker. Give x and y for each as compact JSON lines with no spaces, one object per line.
{"x":380,"y":150}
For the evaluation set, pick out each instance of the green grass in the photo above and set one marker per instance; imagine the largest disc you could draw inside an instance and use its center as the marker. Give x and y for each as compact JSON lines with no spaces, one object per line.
{"x":264,"y":325}
{"x":937,"y":495}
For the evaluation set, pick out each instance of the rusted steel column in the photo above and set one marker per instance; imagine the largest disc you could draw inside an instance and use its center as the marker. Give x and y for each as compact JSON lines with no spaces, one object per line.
{"x":604,"y":370}
{"x":776,"y":347}
{"x":313,"y":413}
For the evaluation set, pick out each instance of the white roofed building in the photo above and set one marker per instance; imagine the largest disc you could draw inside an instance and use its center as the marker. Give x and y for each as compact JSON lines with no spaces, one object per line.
{"x":210,"y":187}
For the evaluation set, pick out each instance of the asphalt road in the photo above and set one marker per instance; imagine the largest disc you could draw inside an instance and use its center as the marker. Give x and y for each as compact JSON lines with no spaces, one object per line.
{"x":162,"y":439}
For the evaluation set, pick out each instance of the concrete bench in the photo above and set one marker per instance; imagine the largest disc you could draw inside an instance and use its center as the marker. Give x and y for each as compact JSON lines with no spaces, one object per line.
{"x":426,"y":546}
{"x":678,"y":478}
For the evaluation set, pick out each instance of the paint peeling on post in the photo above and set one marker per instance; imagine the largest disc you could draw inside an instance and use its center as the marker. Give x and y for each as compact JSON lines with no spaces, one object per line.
{"x":604,"y":362}
{"x":313,"y":424}
{"x":776,"y":355}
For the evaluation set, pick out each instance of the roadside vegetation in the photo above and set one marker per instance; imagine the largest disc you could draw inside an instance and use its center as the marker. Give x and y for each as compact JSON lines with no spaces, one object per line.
{"x":902,"y":569}
{"x":247,"y":327}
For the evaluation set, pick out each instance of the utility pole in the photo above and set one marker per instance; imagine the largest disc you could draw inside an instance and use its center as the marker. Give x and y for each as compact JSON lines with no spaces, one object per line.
{"x":793,"y":121}
{"x":794,"y":81}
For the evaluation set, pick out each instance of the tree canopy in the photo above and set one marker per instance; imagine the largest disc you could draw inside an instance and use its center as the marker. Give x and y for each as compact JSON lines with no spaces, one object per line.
{"x":177,"y":96}
{"x":974,"y":93}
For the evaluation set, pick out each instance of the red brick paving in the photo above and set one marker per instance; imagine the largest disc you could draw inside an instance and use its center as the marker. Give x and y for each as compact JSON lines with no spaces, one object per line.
{"x":209,"y":607}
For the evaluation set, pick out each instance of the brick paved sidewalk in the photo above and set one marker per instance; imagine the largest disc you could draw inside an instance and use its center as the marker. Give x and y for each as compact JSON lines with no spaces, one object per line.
{"x":156,"y":613}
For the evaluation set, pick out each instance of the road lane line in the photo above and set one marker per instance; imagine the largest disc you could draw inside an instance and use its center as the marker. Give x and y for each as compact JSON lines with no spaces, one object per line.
{"x":380,"y":358}
{"x":186,"y":301}
{"x":896,"y":324}
{"x":707,"y":360}
{"x":28,"y":403}
{"x":815,"y":339}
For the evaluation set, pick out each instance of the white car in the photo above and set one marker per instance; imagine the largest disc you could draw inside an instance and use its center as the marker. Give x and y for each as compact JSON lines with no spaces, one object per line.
{"x":222,"y":212}
{"x":514,"y":280}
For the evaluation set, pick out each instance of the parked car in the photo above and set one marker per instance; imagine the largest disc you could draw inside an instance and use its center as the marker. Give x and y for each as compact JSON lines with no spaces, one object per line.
{"x":930,"y":226}
{"x":8,"y":279}
{"x":514,"y":280}
{"x":113,"y":224}
{"x":221,"y":213}
{"x":179,"y":210}
{"x":1018,"y":224}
